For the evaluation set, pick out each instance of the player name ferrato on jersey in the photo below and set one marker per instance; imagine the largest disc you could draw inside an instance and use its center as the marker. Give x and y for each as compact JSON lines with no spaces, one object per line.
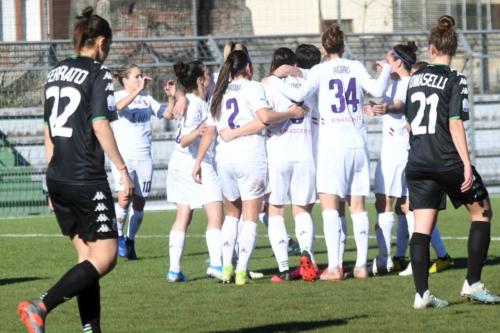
{"x":78,"y":92}
{"x":436,"y":94}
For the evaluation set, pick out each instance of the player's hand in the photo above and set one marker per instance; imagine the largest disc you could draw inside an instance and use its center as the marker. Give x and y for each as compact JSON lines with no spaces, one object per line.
{"x":170,"y":88}
{"x":197,"y":172}
{"x":468,"y":179}
{"x":298,"y":111}
{"x":380,"y":64}
{"x":202,"y":129}
{"x":180,"y":107}
{"x":49,"y":205}
{"x":127,"y":184}
{"x":143,"y":81}
{"x":227,"y":134}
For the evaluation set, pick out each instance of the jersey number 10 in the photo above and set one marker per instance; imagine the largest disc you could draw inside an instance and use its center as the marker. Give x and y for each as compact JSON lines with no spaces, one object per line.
{"x":416,"y":125}
{"x":57,"y":122}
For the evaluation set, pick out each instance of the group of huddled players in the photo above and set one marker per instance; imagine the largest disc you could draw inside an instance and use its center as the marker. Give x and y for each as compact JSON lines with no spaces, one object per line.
{"x":245,"y":148}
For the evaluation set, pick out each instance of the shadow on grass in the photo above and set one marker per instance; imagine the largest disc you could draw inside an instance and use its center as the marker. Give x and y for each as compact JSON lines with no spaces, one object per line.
{"x":4,"y":282}
{"x":293,"y":326}
{"x":461,"y":263}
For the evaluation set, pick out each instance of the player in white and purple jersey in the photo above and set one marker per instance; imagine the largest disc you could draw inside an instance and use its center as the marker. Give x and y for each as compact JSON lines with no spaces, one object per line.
{"x":343,"y":163}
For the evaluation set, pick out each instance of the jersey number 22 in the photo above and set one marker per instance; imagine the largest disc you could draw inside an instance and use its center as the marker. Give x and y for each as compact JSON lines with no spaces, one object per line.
{"x":57,"y":122}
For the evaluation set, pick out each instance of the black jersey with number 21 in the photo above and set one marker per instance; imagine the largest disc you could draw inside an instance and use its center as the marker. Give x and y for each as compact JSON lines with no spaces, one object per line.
{"x":78,"y":92}
{"x":436,"y":94}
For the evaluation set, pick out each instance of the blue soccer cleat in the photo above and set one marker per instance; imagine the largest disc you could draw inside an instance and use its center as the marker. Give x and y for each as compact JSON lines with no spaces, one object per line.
{"x":477,"y":292}
{"x":176,"y":277}
{"x":214,"y":272}
{"x":122,"y":251}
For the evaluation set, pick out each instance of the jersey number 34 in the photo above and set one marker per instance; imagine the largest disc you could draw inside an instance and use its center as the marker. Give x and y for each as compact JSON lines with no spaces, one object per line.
{"x":416,"y":125}
{"x":57,"y":122}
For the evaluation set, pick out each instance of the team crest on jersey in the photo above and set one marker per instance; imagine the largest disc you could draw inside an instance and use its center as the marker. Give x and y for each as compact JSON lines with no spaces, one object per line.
{"x":111,"y":103}
{"x":465,"y":105}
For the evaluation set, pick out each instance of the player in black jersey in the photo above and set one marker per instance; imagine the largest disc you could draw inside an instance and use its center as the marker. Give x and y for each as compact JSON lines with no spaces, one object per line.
{"x":438,"y":162}
{"x":79,"y":103}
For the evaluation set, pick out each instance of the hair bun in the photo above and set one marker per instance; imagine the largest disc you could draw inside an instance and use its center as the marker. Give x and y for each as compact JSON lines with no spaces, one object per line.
{"x":412,"y":46}
{"x":446,"y":22}
{"x":180,"y":69}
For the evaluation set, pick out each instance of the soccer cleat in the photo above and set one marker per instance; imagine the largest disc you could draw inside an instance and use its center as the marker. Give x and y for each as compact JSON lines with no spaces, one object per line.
{"x":255,"y":275}
{"x":381,"y":266}
{"x":214,"y":272}
{"x":400,"y":263}
{"x":308,"y":269}
{"x":281,"y":277}
{"x":441,"y":264}
{"x":428,"y":301}
{"x":130,"y":248}
{"x":407,"y":272}
{"x":241,"y":278}
{"x":477,"y":292}
{"x":176,"y":277}
{"x":296,"y":273}
{"x":293,"y":247}
{"x":331,"y":275}
{"x":227,"y":274}
{"x":360,"y":272}
{"x":122,"y":250}
{"x":33,"y":315}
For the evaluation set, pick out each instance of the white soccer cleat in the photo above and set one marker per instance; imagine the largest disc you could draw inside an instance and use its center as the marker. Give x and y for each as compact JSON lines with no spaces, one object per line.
{"x":428,"y":301}
{"x":407,"y":272}
{"x":381,"y":266}
{"x":478,"y":292}
{"x":214,"y":272}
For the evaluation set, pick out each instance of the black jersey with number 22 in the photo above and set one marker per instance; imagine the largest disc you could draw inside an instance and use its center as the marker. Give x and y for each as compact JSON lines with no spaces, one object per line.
{"x":78,"y":92}
{"x":435,"y":95}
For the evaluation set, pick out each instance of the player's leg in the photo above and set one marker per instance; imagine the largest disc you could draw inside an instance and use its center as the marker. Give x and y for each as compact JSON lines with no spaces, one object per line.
{"x":332,"y":229}
{"x":383,"y":230}
{"x":176,"y":242}
{"x":402,"y":238}
{"x":121,"y":208}
{"x":215,"y":216}
{"x":229,"y":234}
{"x":343,"y":234}
{"x":443,"y":260}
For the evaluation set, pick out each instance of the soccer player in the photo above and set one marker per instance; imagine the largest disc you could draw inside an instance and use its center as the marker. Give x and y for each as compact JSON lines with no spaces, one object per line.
{"x":132,"y":132}
{"x":181,"y":188}
{"x":343,"y":163}
{"x":241,"y":163}
{"x":292,"y":175}
{"x":79,"y":104}
{"x":438,"y":162}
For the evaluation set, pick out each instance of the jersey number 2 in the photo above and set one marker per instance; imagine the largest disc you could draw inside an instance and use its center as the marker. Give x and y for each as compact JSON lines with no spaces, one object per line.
{"x":230,"y":103}
{"x":57,"y":122}
{"x":416,"y":125}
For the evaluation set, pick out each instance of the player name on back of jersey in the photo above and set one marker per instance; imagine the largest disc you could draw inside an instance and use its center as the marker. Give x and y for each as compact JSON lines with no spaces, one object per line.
{"x":68,"y":74}
{"x":428,"y":80}
{"x":341,"y":70}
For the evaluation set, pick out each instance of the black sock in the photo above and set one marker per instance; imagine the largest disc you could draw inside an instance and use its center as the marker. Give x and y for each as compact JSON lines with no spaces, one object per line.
{"x":71,"y":284}
{"x":479,"y":241}
{"x":89,"y":304}
{"x":419,"y":255}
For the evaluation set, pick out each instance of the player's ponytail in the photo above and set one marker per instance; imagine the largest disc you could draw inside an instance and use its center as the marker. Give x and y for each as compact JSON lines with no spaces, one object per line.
{"x":443,"y":36}
{"x":88,"y":27}
{"x":282,"y":56}
{"x":333,"y":40}
{"x":188,"y":73}
{"x":407,"y":53}
{"x":235,"y":65}
{"x":233,"y":46}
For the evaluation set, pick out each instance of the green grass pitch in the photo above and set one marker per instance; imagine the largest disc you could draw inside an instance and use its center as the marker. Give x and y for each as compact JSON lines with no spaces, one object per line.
{"x":137,"y":298}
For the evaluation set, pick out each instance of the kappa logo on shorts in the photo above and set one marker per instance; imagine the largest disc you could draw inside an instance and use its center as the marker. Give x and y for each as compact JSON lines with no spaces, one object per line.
{"x":102,"y":218}
{"x":101,"y":207}
{"x":103,"y":228}
{"x":99,"y":196}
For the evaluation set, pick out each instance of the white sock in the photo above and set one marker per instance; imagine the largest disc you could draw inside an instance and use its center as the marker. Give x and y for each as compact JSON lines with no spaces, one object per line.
{"x":175,"y":249}
{"x":134,"y":223}
{"x":332,"y":229}
{"x":384,"y":233}
{"x":236,"y":245}
{"x":343,"y":238}
{"x":247,"y":240}
{"x":410,"y":220}
{"x":213,"y":238}
{"x":304,"y":231}
{"x":278,"y":237}
{"x":403,"y":236}
{"x":229,"y":234}
{"x":121,"y":216}
{"x":361,"y":228}
{"x":264,"y":218}
{"x":437,"y":243}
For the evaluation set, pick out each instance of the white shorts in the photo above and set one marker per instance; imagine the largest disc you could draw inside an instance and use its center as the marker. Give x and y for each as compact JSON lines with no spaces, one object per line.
{"x":293,"y":182}
{"x":345,"y":172}
{"x":141,"y":173}
{"x":245,"y":180}
{"x":390,"y":177}
{"x":182,"y":189}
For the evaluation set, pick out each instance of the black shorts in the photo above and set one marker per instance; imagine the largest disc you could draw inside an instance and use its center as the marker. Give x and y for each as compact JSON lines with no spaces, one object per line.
{"x":427,"y":188}
{"x":84,"y":210}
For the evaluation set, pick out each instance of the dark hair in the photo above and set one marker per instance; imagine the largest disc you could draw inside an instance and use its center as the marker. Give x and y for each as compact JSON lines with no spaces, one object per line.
{"x":188,"y":73}
{"x":282,"y":56}
{"x":235,"y":65}
{"x":443,"y":36}
{"x":88,"y":27}
{"x":407,"y":53}
{"x":419,"y":65}
{"x":124,"y":72}
{"x":307,"y":56}
{"x":333,"y":40}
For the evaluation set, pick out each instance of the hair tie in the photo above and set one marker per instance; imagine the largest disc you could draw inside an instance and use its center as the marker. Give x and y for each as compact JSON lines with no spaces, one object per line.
{"x":403,"y":59}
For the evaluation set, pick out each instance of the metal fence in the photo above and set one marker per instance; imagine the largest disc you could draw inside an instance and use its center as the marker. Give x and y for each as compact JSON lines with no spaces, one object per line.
{"x":24,"y":65}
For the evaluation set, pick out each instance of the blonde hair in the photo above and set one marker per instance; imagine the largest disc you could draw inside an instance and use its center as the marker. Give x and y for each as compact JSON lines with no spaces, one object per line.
{"x":233,"y":46}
